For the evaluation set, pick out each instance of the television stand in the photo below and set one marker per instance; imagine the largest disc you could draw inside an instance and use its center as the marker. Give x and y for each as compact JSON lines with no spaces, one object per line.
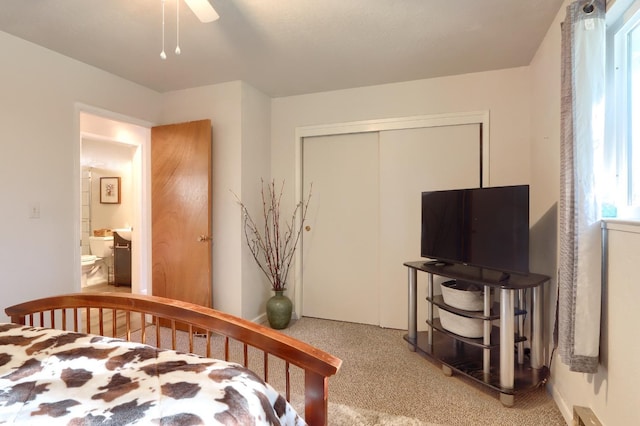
{"x":504,"y":277}
{"x":490,"y":360}
{"x":437,"y":263}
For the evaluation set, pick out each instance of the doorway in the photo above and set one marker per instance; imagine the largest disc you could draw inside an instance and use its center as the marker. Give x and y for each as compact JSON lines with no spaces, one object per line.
{"x":110,"y":135}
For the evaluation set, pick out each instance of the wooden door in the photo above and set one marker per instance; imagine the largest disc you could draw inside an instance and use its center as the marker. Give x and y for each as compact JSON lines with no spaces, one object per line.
{"x":181,"y":211}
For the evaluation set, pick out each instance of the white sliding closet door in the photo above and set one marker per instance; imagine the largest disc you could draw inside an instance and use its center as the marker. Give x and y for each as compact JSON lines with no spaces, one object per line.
{"x":412,"y":161}
{"x":365,"y":215}
{"x":340,"y":251}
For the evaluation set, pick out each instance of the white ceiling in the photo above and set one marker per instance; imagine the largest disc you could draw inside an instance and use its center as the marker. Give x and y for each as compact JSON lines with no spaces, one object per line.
{"x":287,"y":47}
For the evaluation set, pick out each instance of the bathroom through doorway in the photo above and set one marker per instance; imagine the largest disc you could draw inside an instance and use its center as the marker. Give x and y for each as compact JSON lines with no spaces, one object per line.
{"x":113,"y":167}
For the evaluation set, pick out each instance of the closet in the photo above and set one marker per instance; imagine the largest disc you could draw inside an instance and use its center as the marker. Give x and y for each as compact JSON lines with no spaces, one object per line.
{"x":364,"y":215}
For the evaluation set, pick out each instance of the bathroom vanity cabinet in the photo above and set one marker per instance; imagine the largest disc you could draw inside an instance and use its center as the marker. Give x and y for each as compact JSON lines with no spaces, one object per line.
{"x":498,"y":359}
{"x":121,"y":260}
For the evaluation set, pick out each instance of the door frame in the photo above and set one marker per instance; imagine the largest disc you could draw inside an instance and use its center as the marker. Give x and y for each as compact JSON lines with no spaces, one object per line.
{"x":378,"y":125}
{"x":141,"y":223}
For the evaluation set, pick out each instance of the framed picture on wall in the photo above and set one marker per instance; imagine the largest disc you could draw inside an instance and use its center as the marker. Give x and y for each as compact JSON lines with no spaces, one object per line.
{"x":110,"y":190}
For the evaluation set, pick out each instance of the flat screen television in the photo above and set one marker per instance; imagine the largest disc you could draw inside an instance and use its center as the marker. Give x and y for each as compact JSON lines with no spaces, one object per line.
{"x":483,"y":227}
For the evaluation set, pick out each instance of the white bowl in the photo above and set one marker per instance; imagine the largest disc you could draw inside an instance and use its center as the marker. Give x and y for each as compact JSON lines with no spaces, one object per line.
{"x":463,"y":295}
{"x":462,"y":326}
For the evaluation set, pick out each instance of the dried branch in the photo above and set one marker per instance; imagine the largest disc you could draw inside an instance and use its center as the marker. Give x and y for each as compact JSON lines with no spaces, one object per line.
{"x":274,"y":247}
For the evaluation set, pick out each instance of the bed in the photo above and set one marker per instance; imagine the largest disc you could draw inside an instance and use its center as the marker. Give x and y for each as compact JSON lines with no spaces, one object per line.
{"x":114,"y":358}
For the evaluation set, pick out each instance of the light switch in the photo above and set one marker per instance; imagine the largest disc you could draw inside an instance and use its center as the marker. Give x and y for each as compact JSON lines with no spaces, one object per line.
{"x":34,"y":210}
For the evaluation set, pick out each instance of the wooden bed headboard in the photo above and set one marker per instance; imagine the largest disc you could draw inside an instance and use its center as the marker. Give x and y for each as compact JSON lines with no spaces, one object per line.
{"x":91,"y":312}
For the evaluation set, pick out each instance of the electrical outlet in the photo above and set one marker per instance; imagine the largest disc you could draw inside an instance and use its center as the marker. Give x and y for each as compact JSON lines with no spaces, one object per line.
{"x":34,"y":210}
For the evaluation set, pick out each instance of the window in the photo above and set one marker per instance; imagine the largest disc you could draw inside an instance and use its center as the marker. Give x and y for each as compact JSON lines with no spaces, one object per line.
{"x":623,"y":97}
{"x":633,"y":143}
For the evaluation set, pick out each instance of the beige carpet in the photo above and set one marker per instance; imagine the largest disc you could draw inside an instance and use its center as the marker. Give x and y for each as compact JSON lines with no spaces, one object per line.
{"x":345,"y":415}
{"x":383,"y":383}
{"x":381,"y":375}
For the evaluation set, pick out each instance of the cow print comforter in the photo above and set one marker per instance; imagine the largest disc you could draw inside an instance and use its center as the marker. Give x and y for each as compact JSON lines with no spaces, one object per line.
{"x":56,"y":377}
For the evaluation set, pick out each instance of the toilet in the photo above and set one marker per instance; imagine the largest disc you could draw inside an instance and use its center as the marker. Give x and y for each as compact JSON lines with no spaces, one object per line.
{"x":101,"y":254}
{"x":101,"y":246}
{"x":88,"y":262}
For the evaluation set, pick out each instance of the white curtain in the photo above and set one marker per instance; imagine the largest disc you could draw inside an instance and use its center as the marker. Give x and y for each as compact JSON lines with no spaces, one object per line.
{"x":582,"y":155}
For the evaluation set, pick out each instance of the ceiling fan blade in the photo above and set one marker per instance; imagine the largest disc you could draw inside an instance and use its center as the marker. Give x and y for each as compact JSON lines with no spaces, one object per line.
{"x":203,"y":10}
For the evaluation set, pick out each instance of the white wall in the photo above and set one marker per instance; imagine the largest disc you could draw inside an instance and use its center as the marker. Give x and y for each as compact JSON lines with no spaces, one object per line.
{"x":119,"y":165}
{"x":256,"y":152}
{"x":612,"y":391}
{"x":545,"y":172}
{"x":39,"y":135}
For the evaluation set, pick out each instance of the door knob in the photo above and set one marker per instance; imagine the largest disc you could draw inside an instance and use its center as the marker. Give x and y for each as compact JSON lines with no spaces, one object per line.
{"x":203,"y":238}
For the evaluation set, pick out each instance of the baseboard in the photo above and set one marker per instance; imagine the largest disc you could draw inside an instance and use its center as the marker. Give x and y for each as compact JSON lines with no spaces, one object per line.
{"x":566,"y":412}
{"x":262,"y":318}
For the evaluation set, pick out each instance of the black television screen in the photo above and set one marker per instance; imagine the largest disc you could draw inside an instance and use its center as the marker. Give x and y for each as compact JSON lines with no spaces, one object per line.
{"x":484,"y":227}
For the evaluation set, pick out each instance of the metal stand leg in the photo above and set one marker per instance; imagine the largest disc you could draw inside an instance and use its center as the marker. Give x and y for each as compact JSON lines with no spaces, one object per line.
{"x":430,"y":310}
{"x":507,"y":341}
{"x":447,"y":371}
{"x":520,"y":331}
{"x":413,"y":307}
{"x":508,"y":400}
{"x":486,"y":339}
{"x":537,"y":350}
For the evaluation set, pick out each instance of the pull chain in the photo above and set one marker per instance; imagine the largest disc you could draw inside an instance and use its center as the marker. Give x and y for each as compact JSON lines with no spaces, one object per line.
{"x":162,"y":54}
{"x":177,"y":27}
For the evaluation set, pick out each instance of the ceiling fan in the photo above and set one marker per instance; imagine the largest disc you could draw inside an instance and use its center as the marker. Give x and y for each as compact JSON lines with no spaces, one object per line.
{"x":203,"y":11}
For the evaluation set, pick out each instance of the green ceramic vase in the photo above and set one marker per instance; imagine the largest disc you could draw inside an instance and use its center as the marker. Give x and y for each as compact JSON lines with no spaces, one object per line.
{"x":279,"y":308}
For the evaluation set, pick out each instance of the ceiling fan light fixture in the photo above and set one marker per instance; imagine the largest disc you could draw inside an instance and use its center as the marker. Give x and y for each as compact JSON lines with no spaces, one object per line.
{"x":203,"y":10}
